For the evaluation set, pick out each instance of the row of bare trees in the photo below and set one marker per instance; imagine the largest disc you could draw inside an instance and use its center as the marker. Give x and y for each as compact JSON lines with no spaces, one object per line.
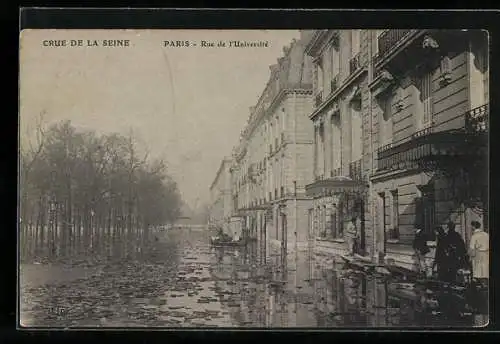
{"x":84,"y":194}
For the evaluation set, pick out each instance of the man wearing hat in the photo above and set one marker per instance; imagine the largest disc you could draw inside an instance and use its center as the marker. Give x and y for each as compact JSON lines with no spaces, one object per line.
{"x":479,"y":248}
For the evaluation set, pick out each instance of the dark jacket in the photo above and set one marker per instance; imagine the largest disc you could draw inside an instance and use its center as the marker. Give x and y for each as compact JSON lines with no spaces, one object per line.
{"x":420,"y":243}
{"x":456,"y":250}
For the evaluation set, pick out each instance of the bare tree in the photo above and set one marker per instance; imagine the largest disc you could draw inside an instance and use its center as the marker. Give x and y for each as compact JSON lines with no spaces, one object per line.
{"x":92,"y":195}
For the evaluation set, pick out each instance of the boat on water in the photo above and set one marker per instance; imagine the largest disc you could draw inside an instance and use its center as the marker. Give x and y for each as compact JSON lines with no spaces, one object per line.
{"x":224,"y":241}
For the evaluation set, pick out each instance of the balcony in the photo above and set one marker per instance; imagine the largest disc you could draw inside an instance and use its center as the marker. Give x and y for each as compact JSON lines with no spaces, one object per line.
{"x":430,"y":149}
{"x":335,"y":172}
{"x":476,"y":120}
{"x":390,"y":39}
{"x":354,"y":63}
{"x":318,"y":98}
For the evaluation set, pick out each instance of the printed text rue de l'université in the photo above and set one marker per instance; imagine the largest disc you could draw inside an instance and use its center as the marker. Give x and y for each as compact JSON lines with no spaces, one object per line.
{"x":165,"y":43}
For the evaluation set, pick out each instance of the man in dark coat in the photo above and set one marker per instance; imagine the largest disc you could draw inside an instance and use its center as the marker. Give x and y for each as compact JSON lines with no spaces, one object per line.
{"x":456,"y":252}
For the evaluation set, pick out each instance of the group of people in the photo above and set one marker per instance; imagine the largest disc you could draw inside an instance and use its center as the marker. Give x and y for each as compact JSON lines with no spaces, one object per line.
{"x":452,"y":254}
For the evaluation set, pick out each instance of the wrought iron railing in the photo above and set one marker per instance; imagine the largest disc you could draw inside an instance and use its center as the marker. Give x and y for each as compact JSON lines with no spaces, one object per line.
{"x":355,"y":171}
{"x":354,"y":63}
{"x":476,"y":120}
{"x":336,"y":172}
{"x":319,"y":177}
{"x":318,"y":99}
{"x":405,"y":153}
{"x":390,"y":39}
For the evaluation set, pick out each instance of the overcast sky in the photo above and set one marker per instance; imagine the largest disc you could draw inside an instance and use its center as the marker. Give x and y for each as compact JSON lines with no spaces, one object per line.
{"x":187,"y":104}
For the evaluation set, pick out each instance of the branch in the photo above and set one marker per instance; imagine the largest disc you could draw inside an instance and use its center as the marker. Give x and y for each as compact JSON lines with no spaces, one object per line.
{"x":41,"y":142}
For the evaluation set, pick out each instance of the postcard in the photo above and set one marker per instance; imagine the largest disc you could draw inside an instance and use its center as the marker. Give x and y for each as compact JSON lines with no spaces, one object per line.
{"x":320,"y":179}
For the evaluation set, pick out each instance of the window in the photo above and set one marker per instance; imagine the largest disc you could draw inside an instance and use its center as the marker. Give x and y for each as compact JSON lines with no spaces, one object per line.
{"x":335,"y":62}
{"x":426,"y":98}
{"x":319,"y":79}
{"x":355,"y":42}
{"x":340,"y":211}
{"x":394,"y":232}
{"x":426,"y":210}
{"x":385,"y":122}
{"x":377,"y":35}
{"x":356,"y":134}
{"x":322,"y":150}
{"x":336,"y":142}
{"x":333,"y":224}
{"x":383,"y":219}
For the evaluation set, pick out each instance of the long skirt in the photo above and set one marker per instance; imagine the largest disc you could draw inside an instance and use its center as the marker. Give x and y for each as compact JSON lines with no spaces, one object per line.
{"x":481,"y":265}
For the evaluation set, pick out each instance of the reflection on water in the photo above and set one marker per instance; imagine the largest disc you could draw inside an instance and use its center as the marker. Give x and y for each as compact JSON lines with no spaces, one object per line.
{"x":184,"y":282}
{"x":305,"y":291}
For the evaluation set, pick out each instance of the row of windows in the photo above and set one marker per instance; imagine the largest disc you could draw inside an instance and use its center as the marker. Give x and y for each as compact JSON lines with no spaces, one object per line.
{"x":330,"y":66}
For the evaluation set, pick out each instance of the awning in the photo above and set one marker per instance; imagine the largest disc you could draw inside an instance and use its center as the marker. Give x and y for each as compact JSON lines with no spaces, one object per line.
{"x":335,"y":186}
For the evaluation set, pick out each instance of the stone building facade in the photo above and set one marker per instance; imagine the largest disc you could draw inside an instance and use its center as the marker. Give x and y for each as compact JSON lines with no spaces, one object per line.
{"x":429,"y":109}
{"x":400,"y":124}
{"x":220,"y":198}
{"x":271,"y":164}
{"x":341,"y":158}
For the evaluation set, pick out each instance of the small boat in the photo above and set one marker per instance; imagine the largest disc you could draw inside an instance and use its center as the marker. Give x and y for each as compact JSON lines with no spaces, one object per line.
{"x":217,"y":242}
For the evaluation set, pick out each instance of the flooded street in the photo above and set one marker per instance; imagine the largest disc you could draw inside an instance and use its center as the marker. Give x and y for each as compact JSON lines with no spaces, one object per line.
{"x":183,"y":282}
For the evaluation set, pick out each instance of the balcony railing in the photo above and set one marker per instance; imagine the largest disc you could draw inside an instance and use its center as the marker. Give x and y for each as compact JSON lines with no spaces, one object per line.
{"x":336,"y":172}
{"x":389,"y":39}
{"x":430,"y":142}
{"x":355,"y":172}
{"x":354,"y":63}
{"x":476,"y":120}
{"x":319,"y":177}
{"x":318,"y":99}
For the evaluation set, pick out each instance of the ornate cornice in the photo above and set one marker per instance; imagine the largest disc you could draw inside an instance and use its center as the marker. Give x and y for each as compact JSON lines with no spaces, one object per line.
{"x":319,"y":38}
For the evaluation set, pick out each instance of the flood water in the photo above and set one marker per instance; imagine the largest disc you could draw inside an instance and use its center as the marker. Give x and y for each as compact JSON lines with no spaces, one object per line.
{"x":183,"y":282}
